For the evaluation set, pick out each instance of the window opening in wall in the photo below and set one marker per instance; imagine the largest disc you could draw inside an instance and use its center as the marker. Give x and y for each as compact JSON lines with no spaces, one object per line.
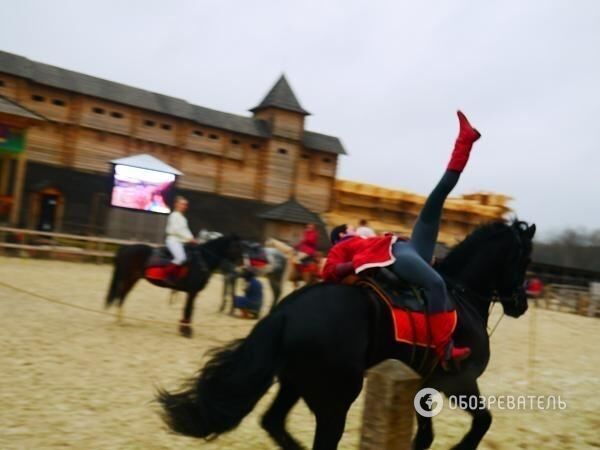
{"x":149,"y":123}
{"x":255,"y":146}
{"x":37,"y":98}
{"x":98,"y":110}
{"x":58,"y":102}
{"x":235,"y":142}
{"x":198,"y":133}
{"x":326,"y":160}
{"x":116,"y":115}
{"x":165,"y":126}
{"x":305,"y":156}
{"x":282,"y":151}
{"x":213,"y":137}
{"x":1,"y":83}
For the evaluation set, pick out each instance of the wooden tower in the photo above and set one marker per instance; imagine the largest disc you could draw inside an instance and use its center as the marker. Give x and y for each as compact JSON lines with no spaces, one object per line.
{"x":282,"y":111}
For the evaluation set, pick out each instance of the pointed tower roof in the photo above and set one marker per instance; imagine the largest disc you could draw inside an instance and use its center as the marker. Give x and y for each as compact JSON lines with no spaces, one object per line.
{"x":291,"y":211}
{"x":281,"y":96}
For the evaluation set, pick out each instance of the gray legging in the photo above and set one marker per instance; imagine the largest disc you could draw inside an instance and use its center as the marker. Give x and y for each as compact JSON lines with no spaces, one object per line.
{"x":413,"y":257}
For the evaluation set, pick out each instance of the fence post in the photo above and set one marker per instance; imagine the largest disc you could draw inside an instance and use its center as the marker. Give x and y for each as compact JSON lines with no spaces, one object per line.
{"x":594,"y":299}
{"x":389,"y":412}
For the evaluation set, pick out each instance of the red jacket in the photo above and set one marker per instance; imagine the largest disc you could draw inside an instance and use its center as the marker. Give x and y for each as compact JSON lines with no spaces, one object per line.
{"x":308,"y":244}
{"x":363,"y":253}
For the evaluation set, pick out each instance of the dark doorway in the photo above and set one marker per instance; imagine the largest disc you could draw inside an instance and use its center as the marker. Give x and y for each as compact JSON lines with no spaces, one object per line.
{"x":48,"y":205}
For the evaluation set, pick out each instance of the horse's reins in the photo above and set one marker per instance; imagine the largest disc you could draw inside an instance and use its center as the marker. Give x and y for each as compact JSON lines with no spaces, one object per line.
{"x":497,"y":323}
{"x":460,"y":291}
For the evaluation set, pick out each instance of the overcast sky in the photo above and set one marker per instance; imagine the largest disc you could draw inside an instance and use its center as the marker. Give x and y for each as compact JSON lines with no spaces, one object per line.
{"x":384,"y":76}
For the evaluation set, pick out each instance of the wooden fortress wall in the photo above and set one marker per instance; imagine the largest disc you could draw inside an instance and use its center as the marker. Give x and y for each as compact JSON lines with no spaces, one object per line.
{"x":84,"y":133}
{"x":389,"y":210}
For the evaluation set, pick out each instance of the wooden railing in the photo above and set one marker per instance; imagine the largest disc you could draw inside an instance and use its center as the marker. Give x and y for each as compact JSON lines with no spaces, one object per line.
{"x":569,"y":298}
{"x":26,"y":242}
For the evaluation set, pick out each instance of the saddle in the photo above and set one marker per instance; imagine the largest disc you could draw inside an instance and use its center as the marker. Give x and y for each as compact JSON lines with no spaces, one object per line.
{"x":391,"y":289}
{"x":407,"y":305}
{"x":161,"y":256}
{"x":257,"y":255}
{"x":159,"y":267}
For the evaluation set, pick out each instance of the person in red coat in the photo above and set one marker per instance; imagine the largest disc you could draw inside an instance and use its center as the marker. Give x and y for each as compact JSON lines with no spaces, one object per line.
{"x":411,"y":259}
{"x":308,"y":244}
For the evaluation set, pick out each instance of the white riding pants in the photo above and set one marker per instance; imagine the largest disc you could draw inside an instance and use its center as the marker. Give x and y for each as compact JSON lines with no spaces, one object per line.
{"x":175,"y":246}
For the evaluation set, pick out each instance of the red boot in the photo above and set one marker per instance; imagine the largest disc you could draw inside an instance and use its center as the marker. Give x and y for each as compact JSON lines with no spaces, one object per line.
{"x":442,"y":326}
{"x":467,"y":135}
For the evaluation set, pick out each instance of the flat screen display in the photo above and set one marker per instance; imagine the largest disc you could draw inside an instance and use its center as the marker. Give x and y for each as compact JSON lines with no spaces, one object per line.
{"x":141,"y":189}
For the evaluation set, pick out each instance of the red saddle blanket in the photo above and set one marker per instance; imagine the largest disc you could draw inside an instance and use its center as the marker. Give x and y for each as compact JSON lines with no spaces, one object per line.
{"x":308,"y":267}
{"x":259,"y":263}
{"x":161,"y":273}
{"x":410,"y":326}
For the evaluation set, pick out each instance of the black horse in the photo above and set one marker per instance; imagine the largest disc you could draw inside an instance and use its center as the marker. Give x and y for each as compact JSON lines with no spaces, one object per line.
{"x":132,"y":260}
{"x":320,"y":341}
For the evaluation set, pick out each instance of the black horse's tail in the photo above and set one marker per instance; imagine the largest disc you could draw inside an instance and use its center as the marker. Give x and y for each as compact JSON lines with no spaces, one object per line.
{"x":230,"y":384}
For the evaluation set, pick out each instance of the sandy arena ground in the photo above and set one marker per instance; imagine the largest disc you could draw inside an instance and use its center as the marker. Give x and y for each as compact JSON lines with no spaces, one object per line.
{"x":71,"y":378}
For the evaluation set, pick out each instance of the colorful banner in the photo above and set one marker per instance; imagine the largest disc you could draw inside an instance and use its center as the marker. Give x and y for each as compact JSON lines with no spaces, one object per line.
{"x":11,"y":140}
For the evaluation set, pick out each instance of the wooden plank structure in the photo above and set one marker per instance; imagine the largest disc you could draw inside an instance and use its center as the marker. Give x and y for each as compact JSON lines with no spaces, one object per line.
{"x":391,"y":210}
{"x":268,"y":157}
{"x":15,"y":122}
{"x":388,"y":414}
{"x":265,"y":159}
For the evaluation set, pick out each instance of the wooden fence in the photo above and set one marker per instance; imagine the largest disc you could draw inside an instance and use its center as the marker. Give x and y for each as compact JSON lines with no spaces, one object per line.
{"x":33,"y":243}
{"x":569,"y":298}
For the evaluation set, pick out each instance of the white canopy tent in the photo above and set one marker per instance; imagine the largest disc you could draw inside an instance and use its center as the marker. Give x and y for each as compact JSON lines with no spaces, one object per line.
{"x":148,"y":162}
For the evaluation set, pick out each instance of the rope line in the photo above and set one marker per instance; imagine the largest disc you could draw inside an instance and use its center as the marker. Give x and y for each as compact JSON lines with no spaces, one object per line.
{"x":95,"y":311}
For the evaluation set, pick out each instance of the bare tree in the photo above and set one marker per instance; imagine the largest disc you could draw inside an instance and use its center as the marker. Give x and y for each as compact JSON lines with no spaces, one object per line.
{"x":571,"y":248}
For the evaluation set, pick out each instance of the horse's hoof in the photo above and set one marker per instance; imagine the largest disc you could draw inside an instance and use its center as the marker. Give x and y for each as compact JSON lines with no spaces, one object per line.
{"x":185,"y":329}
{"x":422,"y":441}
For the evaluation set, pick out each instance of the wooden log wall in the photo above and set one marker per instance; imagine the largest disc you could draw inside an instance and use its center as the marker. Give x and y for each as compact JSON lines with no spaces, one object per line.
{"x":280,"y":173}
{"x":314,"y":180}
{"x":85,"y":133}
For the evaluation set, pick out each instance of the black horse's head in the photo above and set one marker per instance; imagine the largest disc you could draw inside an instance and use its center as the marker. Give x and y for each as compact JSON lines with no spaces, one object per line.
{"x":492,"y":261}
{"x":227,"y":248}
{"x":510,"y":283}
{"x":235,"y":249}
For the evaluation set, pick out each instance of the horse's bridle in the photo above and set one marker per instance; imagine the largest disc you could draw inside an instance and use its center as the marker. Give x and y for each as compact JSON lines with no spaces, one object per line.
{"x":512,"y":299}
{"x":518,"y":290}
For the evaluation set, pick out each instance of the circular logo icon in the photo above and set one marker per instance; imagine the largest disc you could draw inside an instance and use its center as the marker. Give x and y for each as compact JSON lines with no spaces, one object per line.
{"x":428,"y":402}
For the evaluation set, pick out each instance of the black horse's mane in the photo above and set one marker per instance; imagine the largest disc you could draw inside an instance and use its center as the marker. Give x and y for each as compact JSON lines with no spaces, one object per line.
{"x":217,"y":242}
{"x":462,"y":252}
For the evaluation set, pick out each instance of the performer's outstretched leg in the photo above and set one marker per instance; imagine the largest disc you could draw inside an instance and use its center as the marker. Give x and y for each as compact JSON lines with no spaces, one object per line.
{"x":426,"y":228}
{"x":422,"y":245}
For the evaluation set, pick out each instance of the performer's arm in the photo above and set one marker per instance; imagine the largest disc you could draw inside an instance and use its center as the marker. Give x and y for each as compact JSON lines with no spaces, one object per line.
{"x":342,"y":270}
{"x":338,"y":265}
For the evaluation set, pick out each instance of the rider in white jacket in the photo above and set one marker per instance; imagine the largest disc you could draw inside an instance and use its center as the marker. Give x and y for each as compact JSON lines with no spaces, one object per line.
{"x":178,"y":231}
